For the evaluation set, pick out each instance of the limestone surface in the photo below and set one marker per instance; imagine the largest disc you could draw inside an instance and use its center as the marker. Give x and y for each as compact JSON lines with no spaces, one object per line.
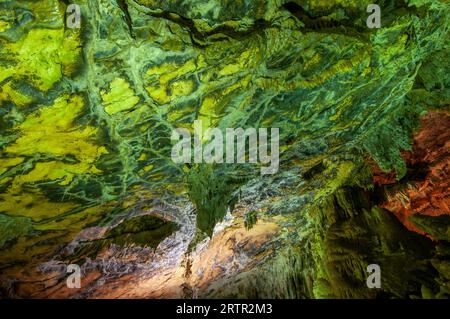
{"x":87,"y":178}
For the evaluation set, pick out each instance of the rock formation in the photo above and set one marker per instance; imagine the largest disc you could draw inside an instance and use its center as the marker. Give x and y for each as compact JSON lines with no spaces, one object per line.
{"x":86,"y":175}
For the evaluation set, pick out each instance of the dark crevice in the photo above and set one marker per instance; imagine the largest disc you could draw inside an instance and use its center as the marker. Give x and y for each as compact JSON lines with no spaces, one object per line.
{"x":313,"y":171}
{"x":319,"y":22}
{"x":200,"y":38}
{"x":123,"y":5}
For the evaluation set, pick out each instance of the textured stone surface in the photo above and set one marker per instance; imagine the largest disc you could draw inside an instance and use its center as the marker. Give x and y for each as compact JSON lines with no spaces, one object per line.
{"x":86,"y":120}
{"x":425,"y":190}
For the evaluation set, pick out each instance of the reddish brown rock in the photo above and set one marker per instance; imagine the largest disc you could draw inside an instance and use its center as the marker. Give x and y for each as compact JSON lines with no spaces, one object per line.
{"x":425,"y":190}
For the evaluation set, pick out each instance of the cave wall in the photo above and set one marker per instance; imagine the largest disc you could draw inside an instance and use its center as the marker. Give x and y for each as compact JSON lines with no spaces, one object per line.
{"x":86,"y":120}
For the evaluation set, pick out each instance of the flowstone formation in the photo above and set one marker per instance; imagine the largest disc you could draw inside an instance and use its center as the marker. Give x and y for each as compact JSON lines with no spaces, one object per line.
{"x":87,"y":176}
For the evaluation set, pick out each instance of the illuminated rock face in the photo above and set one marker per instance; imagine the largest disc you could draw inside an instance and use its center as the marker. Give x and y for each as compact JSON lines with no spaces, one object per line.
{"x":425,"y":189}
{"x":85,"y":150}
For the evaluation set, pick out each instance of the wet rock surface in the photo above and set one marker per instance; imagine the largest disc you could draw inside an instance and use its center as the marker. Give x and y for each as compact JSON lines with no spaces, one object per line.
{"x":86,"y":175}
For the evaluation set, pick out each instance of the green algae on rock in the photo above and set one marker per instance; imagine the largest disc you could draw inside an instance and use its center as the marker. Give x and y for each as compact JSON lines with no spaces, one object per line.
{"x":87,"y":115}
{"x":144,"y":230}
